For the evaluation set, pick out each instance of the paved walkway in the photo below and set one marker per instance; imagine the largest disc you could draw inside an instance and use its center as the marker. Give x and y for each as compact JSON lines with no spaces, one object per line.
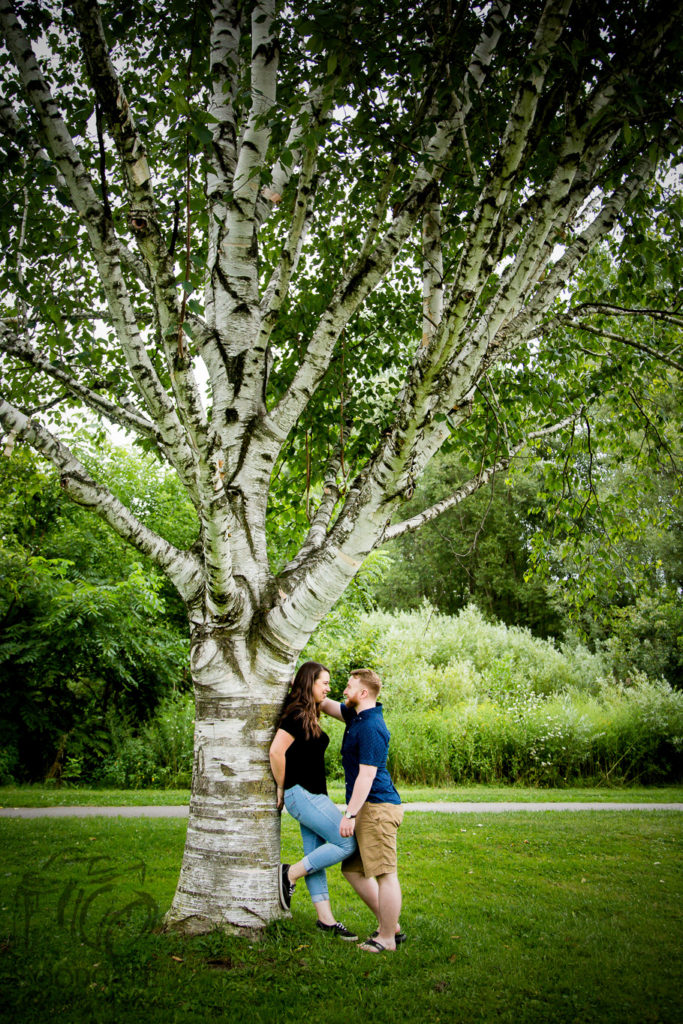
{"x":181,"y":811}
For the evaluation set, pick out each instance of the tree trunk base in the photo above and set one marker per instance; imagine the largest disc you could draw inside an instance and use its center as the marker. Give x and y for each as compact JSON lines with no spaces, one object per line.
{"x":196,"y":925}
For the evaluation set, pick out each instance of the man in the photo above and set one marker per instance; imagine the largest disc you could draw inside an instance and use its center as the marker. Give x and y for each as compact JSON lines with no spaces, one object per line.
{"x":373,"y":807}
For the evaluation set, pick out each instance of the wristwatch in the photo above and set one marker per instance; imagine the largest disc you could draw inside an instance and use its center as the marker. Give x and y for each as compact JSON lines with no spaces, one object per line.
{"x":349,"y":816}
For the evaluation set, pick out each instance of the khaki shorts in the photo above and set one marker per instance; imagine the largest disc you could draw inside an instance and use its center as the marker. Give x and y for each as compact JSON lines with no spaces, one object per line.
{"x":376,"y":828}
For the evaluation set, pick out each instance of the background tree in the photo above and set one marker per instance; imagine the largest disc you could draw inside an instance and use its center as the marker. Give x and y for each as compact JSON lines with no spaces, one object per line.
{"x":351,"y":220}
{"x":478,"y":551}
{"x":89,"y":628}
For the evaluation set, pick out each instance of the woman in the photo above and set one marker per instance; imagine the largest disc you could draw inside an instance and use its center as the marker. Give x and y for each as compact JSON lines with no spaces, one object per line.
{"x":297,"y":759}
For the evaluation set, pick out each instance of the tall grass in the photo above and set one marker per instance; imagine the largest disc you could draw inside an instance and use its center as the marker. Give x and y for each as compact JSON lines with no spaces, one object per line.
{"x":467,"y":701}
{"x":471,"y":701}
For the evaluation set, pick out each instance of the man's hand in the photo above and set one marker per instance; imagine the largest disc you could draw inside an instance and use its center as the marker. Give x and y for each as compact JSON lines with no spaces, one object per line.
{"x":346,"y":827}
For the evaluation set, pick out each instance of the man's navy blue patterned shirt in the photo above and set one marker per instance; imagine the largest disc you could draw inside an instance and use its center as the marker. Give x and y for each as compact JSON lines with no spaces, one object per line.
{"x":366,"y":741}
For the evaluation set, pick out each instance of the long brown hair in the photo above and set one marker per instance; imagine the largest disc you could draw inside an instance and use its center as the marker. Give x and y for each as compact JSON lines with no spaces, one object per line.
{"x":300,"y":700}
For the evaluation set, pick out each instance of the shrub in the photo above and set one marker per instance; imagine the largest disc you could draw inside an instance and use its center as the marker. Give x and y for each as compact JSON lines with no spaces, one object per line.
{"x":420,"y":747}
{"x":333,"y":764}
{"x":170,"y":737}
{"x":9,"y":761}
{"x":439,"y":659}
{"x":648,"y":635}
{"x":467,"y":700}
{"x":346,"y":640}
{"x":131,"y":767}
{"x":159,"y":757}
{"x":627,"y":735}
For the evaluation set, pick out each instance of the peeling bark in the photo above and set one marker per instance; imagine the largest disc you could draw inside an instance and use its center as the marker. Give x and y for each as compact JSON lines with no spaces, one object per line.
{"x":232,"y":807}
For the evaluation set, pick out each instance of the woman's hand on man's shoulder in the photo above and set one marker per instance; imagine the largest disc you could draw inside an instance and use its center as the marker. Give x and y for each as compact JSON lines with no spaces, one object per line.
{"x":332,"y":708}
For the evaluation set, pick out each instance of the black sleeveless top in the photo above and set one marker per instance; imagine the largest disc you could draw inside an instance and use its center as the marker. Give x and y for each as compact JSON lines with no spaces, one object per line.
{"x":304,"y":758}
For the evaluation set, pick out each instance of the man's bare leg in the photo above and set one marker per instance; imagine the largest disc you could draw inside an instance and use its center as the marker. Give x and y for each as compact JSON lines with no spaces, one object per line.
{"x":369,"y":891}
{"x":389,"y":893}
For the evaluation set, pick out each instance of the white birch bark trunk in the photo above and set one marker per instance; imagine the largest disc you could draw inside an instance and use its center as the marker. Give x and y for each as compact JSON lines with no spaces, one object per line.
{"x":228,"y":877}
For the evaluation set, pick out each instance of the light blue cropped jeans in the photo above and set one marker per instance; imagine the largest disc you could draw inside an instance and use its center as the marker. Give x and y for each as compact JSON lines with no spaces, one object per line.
{"x":323,"y":846}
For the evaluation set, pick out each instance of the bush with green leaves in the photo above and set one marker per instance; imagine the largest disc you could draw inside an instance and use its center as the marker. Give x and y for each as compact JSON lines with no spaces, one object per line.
{"x":648,"y":635}
{"x":9,"y":762}
{"x":468,"y":700}
{"x":159,"y":756}
{"x":438,"y":660}
{"x":89,"y":628}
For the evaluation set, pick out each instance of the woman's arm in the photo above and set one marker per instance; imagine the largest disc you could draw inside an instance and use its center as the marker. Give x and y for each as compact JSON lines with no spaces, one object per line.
{"x":332,"y":708}
{"x":278,"y":748}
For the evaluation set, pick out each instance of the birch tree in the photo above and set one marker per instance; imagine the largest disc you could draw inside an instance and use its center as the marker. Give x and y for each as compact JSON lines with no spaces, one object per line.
{"x":289,"y":248}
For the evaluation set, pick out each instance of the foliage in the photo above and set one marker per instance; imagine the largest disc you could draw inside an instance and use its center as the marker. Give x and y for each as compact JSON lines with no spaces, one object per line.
{"x":648,"y":636}
{"x":613,"y":575}
{"x":159,"y":756}
{"x":77,"y":650}
{"x":471,"y":701}
{"x":618,"y":481}
{"x":86,"y":626}
{"x":623,"y":737}
{"x":478,"y":551}
{"x":444,"y":658}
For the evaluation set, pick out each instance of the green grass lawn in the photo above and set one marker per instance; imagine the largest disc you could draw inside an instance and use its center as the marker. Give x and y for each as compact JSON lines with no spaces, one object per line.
{"x":514,"y":918}
{"x":44,"y":796}
{"x":72,"y":796}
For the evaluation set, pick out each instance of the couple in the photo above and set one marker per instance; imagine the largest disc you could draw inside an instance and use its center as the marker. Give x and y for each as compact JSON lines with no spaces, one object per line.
{"x":364,"y":837}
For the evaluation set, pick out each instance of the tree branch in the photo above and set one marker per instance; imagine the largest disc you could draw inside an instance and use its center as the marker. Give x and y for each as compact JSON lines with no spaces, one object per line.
{"x":13,"y":130}
{"x":152,"y":244}
{"x":129,"y":144}
{"x":319,"y":525}
{"x":581,"y":325}
{"x":226,"y":30}
{"x":470,"y":278}
{"x":264,"y":64}
{"x":128,"y":418}
{"x":377,"y":256}
{"x":104,"y":245}
{"x":522,"y":326}
{"x":473,"y":485}
{"x":432,"y":271}
{"x":611,"y":309}
{"x":278,"y":286}
{"x":182,"y":569}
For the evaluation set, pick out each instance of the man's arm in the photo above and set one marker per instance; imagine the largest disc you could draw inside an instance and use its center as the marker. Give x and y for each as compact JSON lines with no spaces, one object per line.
{"x":361,"y":788}
{"x":332,"y":708}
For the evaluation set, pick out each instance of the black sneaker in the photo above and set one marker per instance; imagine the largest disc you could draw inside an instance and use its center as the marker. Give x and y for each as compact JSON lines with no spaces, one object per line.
{"x":337,"y":929}
{"x":286,"y":887}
